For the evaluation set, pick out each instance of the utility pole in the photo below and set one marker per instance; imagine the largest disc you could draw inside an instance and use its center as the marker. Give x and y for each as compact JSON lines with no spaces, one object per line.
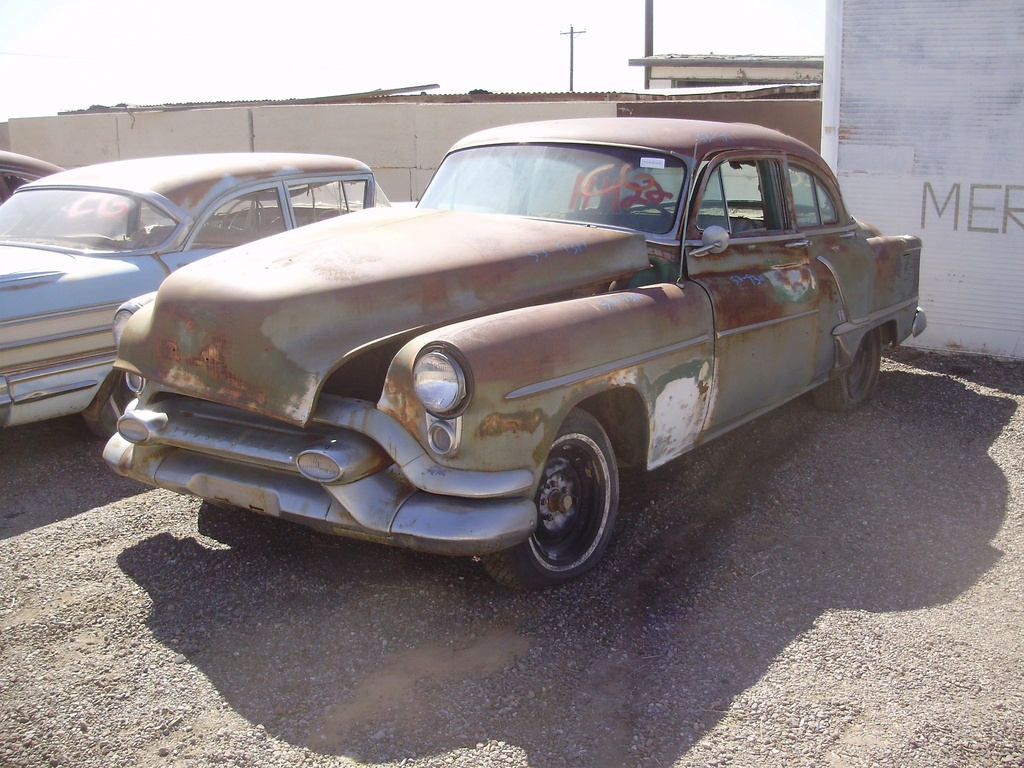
{"x":572,"y":36}
{"x":648,"y":40}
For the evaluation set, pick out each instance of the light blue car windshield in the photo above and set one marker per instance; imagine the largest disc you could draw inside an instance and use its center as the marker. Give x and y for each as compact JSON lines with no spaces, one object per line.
{"x":611,"y":186}
{"x":83,"y":220}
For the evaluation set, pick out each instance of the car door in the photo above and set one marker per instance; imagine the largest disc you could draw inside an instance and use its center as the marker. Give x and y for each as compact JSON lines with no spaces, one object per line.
{"x":833,"y":248}
{"x":764,"y":290}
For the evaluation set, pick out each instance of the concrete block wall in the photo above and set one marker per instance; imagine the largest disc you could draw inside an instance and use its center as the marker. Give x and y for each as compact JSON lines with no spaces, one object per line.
{"x":403,"y":143}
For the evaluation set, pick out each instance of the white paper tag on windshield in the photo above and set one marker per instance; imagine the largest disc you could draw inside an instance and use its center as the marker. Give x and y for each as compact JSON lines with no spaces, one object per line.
{"x":652,"y":162}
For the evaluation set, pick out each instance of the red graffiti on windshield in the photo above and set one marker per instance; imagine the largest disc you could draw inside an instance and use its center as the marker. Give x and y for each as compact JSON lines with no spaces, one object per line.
{"x":108,"y":206}
{"x":631,"y":187}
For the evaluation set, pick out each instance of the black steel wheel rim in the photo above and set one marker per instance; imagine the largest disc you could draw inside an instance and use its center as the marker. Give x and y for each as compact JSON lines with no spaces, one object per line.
{"x":570,"y":502}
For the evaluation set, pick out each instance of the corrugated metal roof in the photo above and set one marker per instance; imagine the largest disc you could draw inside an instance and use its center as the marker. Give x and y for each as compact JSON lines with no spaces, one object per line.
{"x":711,"y":60}
{"x":725,"y":91}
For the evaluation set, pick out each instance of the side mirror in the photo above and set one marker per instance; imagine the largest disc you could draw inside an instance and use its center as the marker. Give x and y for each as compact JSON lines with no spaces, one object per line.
{"x":714,"y":240}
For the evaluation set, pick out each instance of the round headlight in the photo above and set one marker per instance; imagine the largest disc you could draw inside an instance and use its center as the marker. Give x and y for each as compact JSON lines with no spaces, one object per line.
{"x":439,"y":383}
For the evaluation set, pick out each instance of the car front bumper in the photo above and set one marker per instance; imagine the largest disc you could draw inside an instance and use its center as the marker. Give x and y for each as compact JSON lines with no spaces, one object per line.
{"x":397,"y":497}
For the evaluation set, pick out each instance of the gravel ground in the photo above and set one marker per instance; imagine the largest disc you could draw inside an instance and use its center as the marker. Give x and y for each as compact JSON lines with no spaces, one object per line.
{"x":812,"y":589}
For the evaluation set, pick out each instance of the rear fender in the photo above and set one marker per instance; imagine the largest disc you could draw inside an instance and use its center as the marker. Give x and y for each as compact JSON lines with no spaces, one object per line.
{"x":894,"y":282}
{"x":897,"y":270}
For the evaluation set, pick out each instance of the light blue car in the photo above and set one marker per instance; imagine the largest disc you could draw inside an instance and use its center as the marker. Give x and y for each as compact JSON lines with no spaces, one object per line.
{"x":76,"y":245}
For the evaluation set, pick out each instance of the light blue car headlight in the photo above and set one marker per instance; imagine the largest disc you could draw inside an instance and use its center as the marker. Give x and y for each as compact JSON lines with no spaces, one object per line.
{"x":125,"y":311}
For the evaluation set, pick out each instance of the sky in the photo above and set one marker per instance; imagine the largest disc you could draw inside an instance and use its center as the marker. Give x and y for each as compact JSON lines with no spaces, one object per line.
{"x":62,"y":55}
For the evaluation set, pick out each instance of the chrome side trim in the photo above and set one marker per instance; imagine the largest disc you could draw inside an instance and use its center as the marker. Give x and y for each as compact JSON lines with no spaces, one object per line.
{"x":59,"y":337}
{"x":47,"y":394}
{"x":873,"y":318}
{"x":51,"y":326}
{"x":67,"y":365}
{"x":837,"y":282}
{"x":17,"y":382}
{"x":765,"y":324}
{"x":600,"y":370}
{"x":28,"y":275}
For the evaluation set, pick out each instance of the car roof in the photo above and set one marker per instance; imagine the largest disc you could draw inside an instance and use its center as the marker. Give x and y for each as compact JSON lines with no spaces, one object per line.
{"x":691,"y":138}
{"x":191,"y":181}
{"x":30,"y":166}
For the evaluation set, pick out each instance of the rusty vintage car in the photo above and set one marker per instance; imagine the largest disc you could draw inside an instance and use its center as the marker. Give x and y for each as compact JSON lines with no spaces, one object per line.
{"x":76,"y":244}
{"x":17,"y":170}
{"x":466,"y":377}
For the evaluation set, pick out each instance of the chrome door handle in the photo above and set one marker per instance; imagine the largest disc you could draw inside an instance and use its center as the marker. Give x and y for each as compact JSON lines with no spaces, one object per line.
{"x":798,"y":244}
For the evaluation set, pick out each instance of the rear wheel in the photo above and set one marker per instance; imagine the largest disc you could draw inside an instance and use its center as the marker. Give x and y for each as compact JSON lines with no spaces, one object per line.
{"x":857,"y":383}
{"x":576,"y":505}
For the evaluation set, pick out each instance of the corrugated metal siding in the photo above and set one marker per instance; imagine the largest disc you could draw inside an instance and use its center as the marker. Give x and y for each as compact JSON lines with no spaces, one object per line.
{"x":931,"y":142}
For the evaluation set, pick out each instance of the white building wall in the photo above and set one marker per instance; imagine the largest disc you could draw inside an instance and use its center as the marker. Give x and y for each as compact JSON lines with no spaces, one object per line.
{"x":923,"y":121}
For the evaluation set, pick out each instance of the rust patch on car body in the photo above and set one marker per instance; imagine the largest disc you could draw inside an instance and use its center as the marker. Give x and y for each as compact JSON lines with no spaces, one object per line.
{"x":510,"y":423}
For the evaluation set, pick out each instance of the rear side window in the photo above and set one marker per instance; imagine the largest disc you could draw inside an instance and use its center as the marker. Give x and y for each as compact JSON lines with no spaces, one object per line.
{"x":814,"y":206}
{"x":242,"y":219}
{"x":319,"y":200}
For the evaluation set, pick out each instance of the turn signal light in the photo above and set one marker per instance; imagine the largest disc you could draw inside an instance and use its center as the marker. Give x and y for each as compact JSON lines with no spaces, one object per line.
{"x":318,"y":466}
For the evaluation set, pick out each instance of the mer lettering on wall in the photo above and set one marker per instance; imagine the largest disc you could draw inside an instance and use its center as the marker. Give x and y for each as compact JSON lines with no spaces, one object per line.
{"x":992,"y":208}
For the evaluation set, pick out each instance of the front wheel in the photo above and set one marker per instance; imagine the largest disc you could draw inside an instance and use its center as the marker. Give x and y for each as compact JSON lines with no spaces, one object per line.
{"x":857,"y":383}
{"x":576,"y":504}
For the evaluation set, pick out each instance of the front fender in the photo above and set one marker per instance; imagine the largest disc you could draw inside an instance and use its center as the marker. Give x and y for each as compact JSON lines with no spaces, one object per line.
{"x":529,"y":367}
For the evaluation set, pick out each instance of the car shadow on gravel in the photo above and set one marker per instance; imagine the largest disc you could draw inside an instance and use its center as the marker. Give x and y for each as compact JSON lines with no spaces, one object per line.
{"x":721,"y":561}
{"x":1004,"y":375}
{"x":53,"y":470}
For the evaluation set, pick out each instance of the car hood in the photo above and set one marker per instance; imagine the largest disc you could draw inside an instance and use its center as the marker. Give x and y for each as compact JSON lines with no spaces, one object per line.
{"x":262,"y":326}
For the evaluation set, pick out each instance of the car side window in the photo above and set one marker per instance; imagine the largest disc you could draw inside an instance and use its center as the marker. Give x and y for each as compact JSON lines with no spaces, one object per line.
{"x":10,"y":182}
{"x":319,"y":200}
{"x":242,"y":219}
{"x":356,"y":192}
{"x":740,"y":195}
{"x":814,"y":206}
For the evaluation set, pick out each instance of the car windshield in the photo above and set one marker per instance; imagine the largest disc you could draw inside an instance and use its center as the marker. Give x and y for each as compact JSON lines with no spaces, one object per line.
{"x":611,"y":186}
{"x":84,"y":220}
